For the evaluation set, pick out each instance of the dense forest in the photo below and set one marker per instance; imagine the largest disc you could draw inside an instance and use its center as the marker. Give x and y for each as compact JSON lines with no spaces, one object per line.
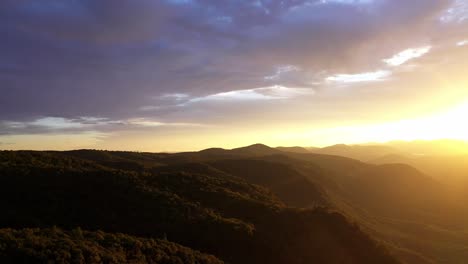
{"x":113,"y":207}
{"x":76,"y":246}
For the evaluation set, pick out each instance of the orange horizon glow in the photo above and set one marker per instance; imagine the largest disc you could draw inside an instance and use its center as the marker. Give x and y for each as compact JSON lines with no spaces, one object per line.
{"x":447,"y":124}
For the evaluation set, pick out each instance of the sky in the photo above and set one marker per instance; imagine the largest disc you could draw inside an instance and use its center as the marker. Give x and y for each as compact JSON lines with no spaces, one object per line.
{"x":174,"y":75}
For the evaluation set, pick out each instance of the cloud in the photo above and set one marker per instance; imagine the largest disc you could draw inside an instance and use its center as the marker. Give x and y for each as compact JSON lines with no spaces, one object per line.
{"x":240,"y":95}
{"x":456,"y":13}
{"x":55,"y":123}
{"x":281,"y":71}
{"x":348,"y":2}
{"x":462,"y":43}
{"x":58,"y":125}
{"x":360,"y":77}
{"x":150,"y":123}
{"x":65,"y":60}
{"x":51,"y":125}
{"x":265,"y":93}
{"x":406,"y":55}
{"x":256,"y":94}
{"x":175,"y":96}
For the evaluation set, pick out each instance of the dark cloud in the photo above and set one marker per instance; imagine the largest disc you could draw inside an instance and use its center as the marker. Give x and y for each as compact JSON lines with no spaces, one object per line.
{"x":110,"y":58}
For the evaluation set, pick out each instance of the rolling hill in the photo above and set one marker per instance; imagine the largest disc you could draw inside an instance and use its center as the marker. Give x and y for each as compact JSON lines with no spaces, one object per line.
{"x":226,"y":202}
{"x":196,"y":205}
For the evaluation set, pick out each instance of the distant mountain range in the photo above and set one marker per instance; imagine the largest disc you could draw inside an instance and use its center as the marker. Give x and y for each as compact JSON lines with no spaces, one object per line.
{"x":444,"y":160}
{"x":254,"y":204}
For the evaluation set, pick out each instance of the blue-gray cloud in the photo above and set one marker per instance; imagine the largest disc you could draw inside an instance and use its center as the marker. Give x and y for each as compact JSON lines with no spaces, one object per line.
{"x":112,"y":58}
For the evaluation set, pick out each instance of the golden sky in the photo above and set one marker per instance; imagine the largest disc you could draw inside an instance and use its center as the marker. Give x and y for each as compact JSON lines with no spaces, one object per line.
{"x":174,"y":75}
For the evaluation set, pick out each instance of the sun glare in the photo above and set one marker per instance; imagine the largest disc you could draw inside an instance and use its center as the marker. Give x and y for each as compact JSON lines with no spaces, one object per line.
{"x":448,"y":124}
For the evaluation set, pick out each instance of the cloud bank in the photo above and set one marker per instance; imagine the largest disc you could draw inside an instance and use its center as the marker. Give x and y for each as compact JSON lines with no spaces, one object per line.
{"x":97,"y":65}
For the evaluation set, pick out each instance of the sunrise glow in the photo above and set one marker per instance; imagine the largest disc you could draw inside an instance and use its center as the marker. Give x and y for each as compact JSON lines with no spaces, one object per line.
{"x":136,"y":77}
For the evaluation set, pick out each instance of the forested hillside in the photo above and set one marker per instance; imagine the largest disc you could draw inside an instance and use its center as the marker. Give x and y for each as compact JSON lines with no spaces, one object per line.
{"x":162,"y":196}
{"x":76,"y":246}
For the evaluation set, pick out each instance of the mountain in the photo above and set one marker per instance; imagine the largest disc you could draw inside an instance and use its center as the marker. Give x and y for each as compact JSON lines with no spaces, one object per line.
{"x":396,"y":203}
{"x":359,"y":152}
{"x":199,"y":205}
{"x":282,"y":179}
{"x":370,"y":152}
{"x":444,"y":160}
{"x":294,"y":149}
{"x":389,"y":185}
{"x":452,"y":170}
{"x":255,"y":150}
{"x":228,"y":203}
{"x":252,"y":150}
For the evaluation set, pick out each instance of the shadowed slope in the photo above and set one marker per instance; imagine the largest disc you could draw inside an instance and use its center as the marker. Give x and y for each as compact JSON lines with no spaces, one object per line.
{"x":218,"y":214}
{"x":52,"y":245}
{"x":283,"y":180}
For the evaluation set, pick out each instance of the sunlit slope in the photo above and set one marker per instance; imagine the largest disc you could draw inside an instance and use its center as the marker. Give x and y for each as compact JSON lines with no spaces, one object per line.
{"x":451,"y":170}
{"x":396,"y":203}
{"x":359,"y":152}
{"x":414,"y":213}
